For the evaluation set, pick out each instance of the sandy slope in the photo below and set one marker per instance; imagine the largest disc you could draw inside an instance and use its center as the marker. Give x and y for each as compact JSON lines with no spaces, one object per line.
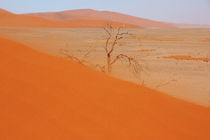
{"x":103,"y":15}
{"x":13,"y":20}
{"x":2,"y":11}
{"x":45,"y":97}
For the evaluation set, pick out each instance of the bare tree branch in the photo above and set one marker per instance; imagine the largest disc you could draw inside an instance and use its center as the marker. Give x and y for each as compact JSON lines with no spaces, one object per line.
{"x":114,"y":36}
{"x":120,"y":56}
{"x":73,"y":58}
{"x":131,"y":61}
{"x":87,"y":54}
{"x":118,"y":36}
{"x":102,"y":68}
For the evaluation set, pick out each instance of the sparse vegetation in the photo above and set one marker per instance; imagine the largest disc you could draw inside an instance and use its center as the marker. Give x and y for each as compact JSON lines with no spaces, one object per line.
{"x":112,"y":42}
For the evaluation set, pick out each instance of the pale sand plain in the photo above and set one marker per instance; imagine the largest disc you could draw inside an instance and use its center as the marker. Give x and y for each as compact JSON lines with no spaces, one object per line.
{"x":184,"y":79}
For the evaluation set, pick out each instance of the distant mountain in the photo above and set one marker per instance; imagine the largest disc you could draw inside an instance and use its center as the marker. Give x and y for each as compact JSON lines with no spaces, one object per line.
{"x":90,"y":14}
{"x":84,"y":18}
{"x":66,"y":15}
{"x":14,"y":20}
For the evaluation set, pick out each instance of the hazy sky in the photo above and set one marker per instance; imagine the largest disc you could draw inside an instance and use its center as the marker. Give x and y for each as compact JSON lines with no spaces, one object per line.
{"x":178,"y":11}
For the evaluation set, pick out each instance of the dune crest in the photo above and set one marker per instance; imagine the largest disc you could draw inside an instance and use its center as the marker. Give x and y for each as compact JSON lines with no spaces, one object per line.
{"x":2,"y":11}
{"x":13,"y":20}
{"x":102,"y":15}
{"x":45,"y":97}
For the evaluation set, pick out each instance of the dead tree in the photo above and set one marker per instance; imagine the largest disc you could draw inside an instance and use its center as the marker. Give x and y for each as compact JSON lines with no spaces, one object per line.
{"x":114,"y":36}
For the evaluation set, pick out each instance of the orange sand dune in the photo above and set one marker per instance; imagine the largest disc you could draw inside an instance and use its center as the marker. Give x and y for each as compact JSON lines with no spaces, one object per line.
{"x":65,"y":15}
{"x":102,"y":15}
{"x":48,"y":98}
{"x":2,"y":11}
{"x":13,"y":20}
{"x":96,"y":23}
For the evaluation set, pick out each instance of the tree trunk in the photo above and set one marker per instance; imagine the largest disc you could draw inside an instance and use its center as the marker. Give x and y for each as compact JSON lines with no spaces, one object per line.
{"x":109,"y":67}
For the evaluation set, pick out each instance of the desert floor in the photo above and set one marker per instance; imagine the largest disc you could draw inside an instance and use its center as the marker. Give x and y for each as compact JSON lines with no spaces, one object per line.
{"x":185,"y":79}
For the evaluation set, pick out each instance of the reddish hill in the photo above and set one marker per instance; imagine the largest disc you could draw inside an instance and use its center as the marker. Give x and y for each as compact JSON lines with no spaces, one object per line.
{"x":103,"y":15}
{"x":45,"y":97}
{"x":96,"y":23}
{"x":65,"y":15}
{"x":2,"y":11}
{"x":13,"y":20}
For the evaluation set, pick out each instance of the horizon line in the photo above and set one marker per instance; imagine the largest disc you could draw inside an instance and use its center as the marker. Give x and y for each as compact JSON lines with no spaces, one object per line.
{"x":56,"y":11}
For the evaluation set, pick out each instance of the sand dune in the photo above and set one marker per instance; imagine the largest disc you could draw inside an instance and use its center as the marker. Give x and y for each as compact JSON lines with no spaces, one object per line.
{"x":14,"y":20}
{"x":45,"y":97}
{"x":84,"y":15}
{"x":103,"y":15}
{"x":96,"y":23}
{"x":2,"y":11}
{"x":65,"y":15}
